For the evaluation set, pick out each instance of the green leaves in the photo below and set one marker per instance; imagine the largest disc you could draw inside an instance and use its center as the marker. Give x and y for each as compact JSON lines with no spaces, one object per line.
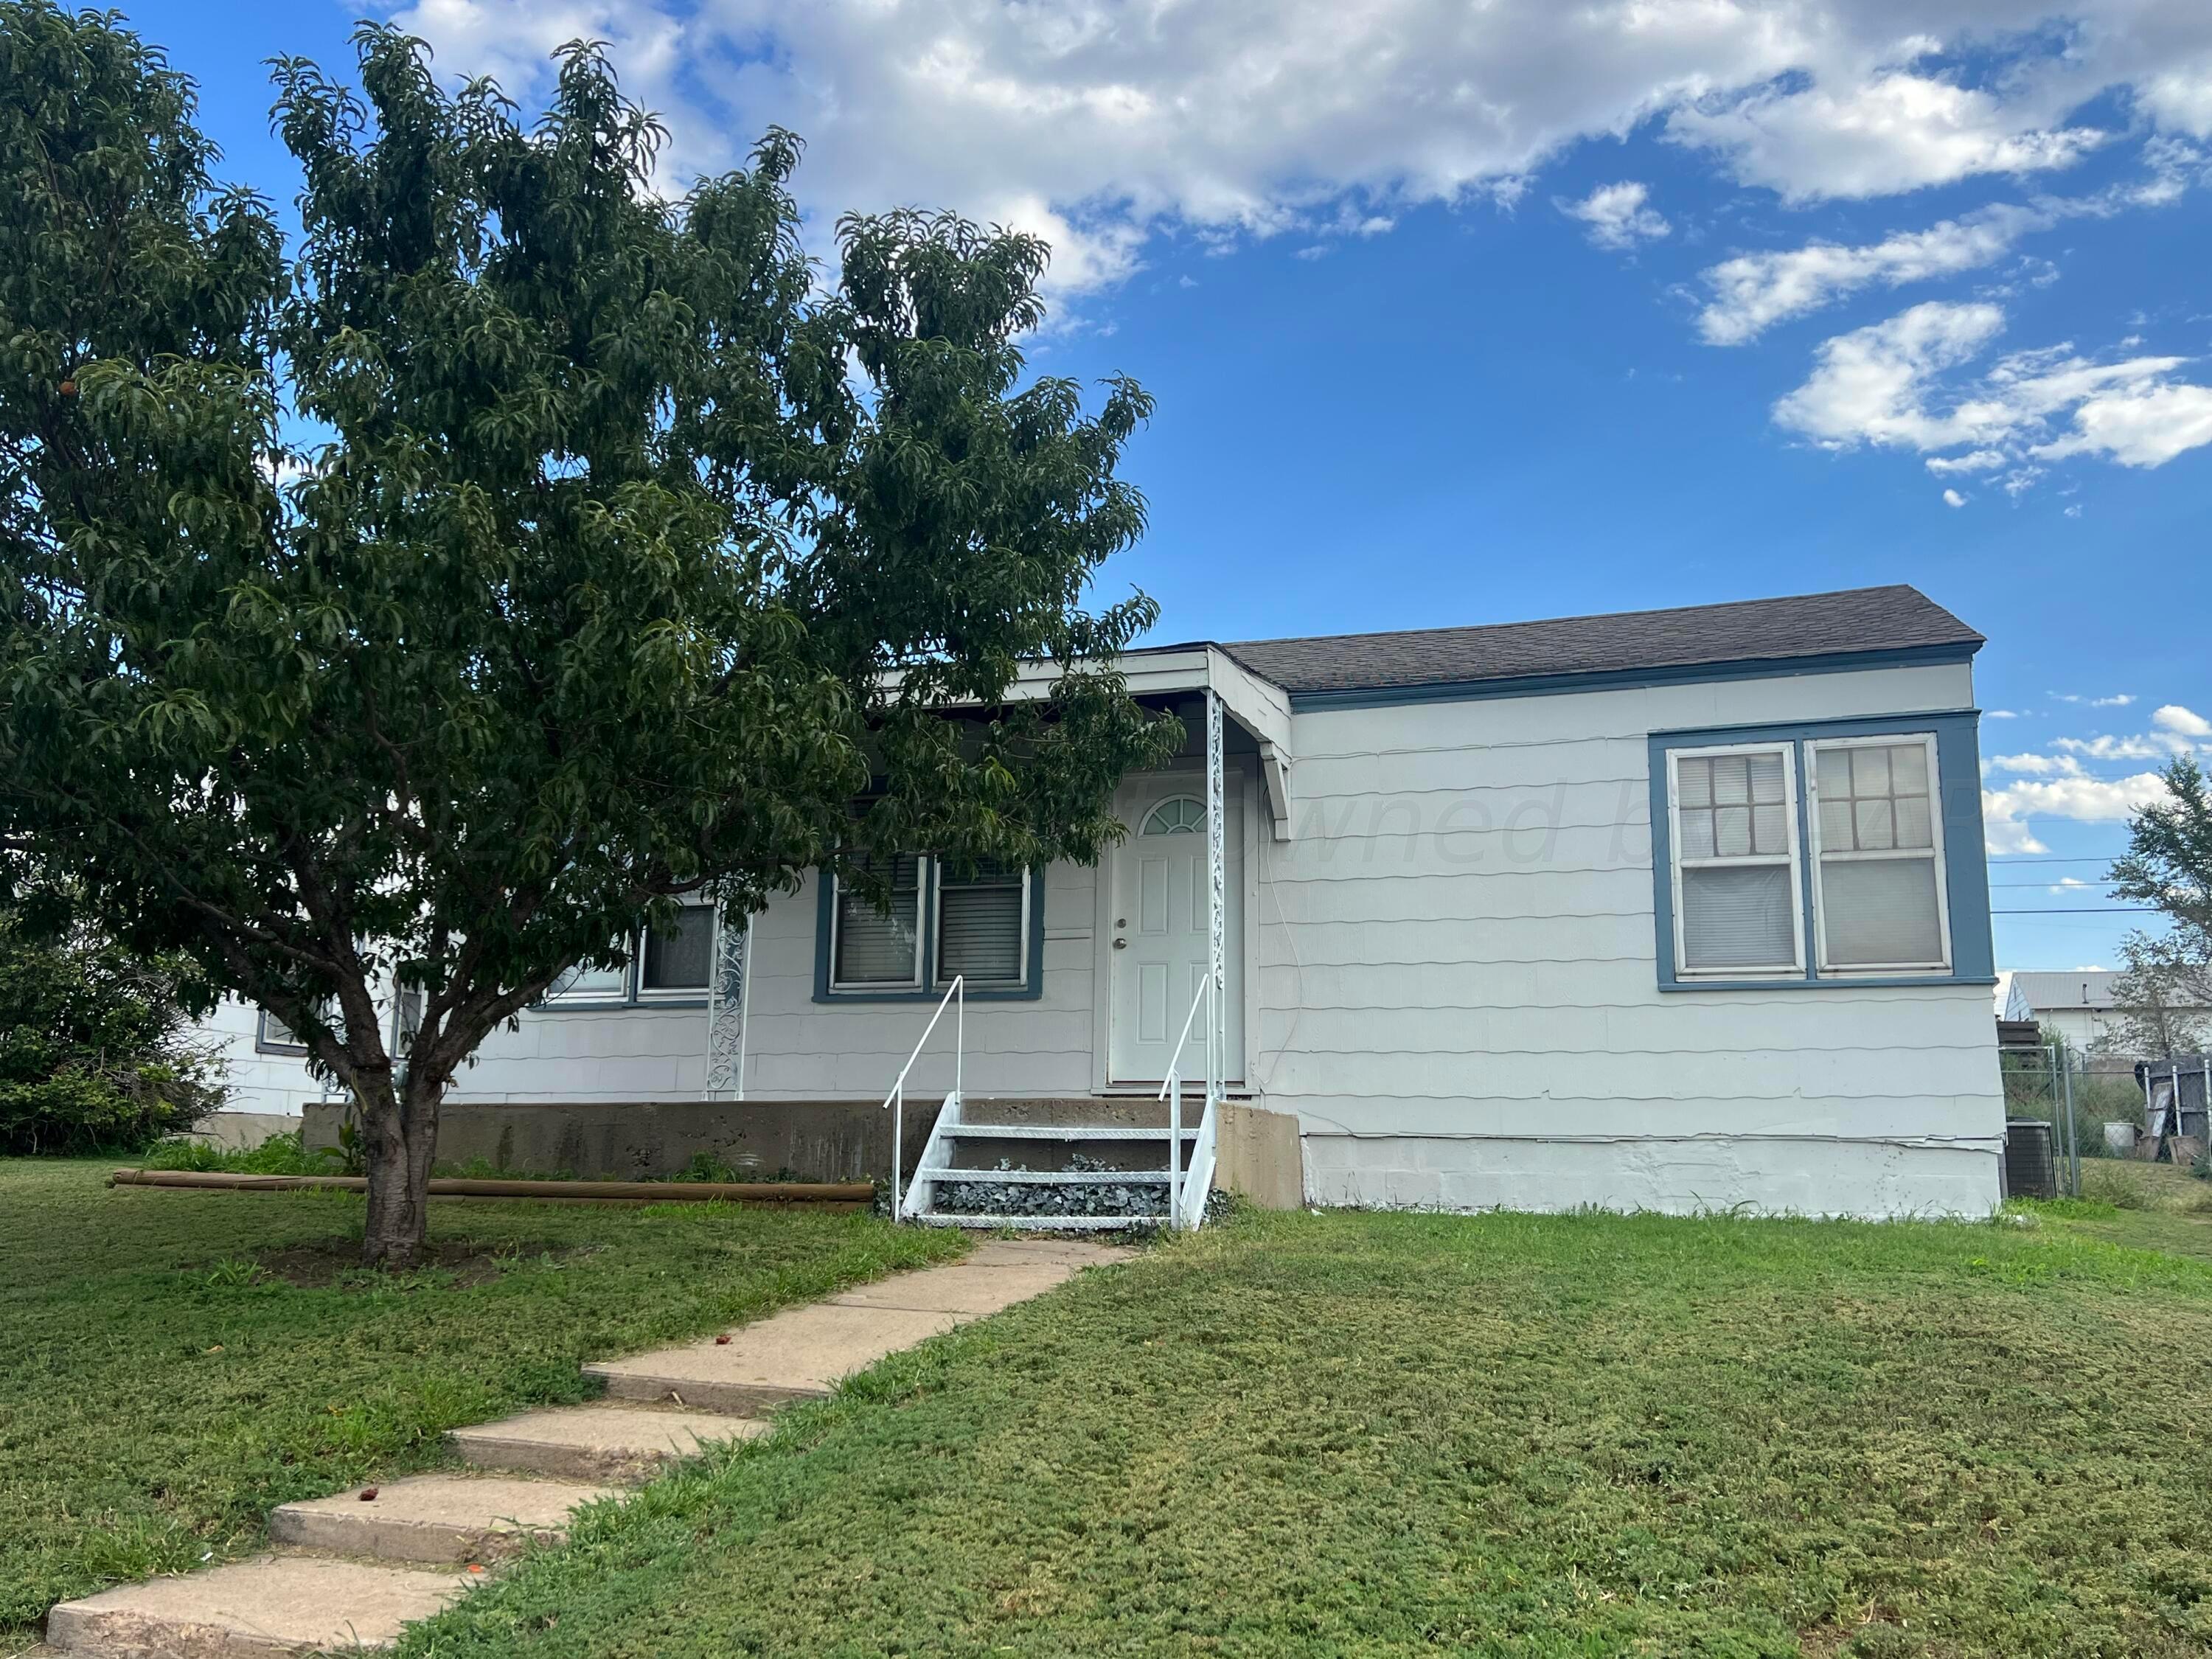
{"x":519,"y":550}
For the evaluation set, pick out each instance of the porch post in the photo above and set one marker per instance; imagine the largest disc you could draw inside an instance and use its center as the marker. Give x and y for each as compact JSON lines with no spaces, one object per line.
{"x":729,"y":988}
{"x":1217,"y":1033}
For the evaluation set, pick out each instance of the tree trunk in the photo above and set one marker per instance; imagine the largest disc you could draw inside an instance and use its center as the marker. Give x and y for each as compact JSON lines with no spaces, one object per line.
{"x":400,"y":1133}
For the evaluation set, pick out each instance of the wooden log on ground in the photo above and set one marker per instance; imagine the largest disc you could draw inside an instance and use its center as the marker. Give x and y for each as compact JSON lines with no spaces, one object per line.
{"x":570,"y":1192}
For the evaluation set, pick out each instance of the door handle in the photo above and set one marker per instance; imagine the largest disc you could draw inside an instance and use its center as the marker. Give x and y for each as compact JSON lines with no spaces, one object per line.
{"x":1121,"y":945}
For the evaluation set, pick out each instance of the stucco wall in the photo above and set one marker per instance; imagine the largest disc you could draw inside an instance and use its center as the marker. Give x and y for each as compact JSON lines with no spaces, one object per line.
{"x":1457,"y":990}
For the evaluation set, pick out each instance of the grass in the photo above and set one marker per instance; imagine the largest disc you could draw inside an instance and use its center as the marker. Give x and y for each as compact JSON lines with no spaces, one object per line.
{"x":178,"y":1363}
{"x":1503,"y":1434}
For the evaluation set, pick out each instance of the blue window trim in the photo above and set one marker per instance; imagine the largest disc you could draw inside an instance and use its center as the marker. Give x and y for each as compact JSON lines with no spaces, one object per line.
{"x":1966,"y":858}
{"x":1629,"y":679}
{"x":825,"y":902}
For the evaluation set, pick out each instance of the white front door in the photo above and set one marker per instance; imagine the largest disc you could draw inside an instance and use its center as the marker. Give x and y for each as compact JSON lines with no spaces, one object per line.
{"x":1157,"y":938}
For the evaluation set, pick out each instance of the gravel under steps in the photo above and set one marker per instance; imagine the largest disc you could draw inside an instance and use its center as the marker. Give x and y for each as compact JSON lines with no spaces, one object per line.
{"x":351,"y":1570}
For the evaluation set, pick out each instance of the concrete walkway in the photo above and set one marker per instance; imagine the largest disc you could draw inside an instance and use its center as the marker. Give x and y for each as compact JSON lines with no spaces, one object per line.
{"x":351,"y":1570}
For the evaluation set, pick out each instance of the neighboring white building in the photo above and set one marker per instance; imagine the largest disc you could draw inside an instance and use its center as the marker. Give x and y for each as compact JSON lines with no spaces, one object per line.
{"x":2078,"y":1004}
{"x":1682,"y":909}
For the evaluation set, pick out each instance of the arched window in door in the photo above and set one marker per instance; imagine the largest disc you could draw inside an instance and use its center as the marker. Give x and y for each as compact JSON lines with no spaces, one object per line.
{"x":1178,"y":815}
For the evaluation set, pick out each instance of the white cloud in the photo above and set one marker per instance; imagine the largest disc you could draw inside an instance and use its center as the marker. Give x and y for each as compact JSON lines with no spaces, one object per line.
{"x":2006,"y":811}
{"x":1754,"y":291}
{"x":2138,"y":425}
{"x":2001,"y":714}
{"x":2040,"y":765}
{"x":1894,"y":131}
{"x":2183,"y":722}
{"x":1978,"y":460}
{"x":2118,"y":700}
{"x":1102,"y":126}
{"x":1953,"y":498}
{"x":1617,"y":216}
{"x":1872,"y":385}
{"x":1883,"y":384}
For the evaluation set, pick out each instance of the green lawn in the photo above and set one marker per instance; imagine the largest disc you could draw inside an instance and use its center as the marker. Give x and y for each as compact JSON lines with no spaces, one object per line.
{"x":174,"y":1363}
{"x":1504,"y":1434}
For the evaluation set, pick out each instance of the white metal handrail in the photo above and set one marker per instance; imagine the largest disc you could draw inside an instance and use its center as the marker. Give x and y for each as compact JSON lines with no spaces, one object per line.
{"x":955,"y":995}
{"x":1171,"y":1092}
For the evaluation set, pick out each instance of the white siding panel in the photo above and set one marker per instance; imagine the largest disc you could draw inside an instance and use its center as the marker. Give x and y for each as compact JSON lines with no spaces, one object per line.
{"x":797,"y":1048}
{"x":1456,"y":981}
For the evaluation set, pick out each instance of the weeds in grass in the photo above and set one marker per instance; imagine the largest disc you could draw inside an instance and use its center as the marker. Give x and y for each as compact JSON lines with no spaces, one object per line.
{"x":280,"y":1154}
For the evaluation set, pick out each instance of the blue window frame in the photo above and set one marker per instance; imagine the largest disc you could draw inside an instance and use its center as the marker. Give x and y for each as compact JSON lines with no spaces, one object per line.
{"x":954,"y":928}
{"x":1822,"y":853}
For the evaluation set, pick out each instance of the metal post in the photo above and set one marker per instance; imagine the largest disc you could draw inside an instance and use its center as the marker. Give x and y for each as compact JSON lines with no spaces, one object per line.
{"x":745,"y":1005}
{"x":960,"y":1038}
{"x":898,"y":1143}
{"x":1217,"y":1032}
{"x":1174,"y":1148}
{"x":2073,"y":1127}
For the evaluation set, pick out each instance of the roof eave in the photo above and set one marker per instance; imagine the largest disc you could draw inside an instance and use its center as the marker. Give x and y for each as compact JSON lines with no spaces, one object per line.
{"x":1537,"y":685}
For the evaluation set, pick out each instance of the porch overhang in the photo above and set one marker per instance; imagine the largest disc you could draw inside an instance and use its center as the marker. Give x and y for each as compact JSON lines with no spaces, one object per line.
{"x":1259,"y":706}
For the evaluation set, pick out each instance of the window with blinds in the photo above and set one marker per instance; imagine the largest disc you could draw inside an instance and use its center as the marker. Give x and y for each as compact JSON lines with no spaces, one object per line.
{"x":983,"y":927}
{"x":1878,"y":855}
{"x":873,"y":949}
{"x":1736,"y":860}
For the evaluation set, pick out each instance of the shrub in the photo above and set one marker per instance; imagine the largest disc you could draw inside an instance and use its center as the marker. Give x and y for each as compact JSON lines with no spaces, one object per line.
{"x":95,"y":1046}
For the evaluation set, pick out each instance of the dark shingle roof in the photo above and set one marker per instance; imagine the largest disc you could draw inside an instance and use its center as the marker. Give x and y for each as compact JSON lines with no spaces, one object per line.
{"x":1755,"y":630}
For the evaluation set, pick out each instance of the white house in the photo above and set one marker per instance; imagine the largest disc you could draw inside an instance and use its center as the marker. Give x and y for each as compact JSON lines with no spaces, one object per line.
{"x":1677,"y":910}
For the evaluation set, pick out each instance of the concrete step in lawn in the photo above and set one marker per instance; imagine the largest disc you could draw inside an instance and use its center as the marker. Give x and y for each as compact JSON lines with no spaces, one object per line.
{"x":336,"y":1602}
{"x":448,"y":1520}
{"x":803,"y":1353}
{"x":625,"y":1444}
{"x":253,"y":1609}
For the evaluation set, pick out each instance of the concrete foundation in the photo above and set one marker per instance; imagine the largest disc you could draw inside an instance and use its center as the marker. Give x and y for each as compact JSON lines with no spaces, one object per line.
{"x":628,"y":1141}
{"x":1257,"y":1150}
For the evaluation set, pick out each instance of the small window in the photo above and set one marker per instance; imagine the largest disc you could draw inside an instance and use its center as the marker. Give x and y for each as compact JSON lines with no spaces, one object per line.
{"x":1735,"y":877}
{"x":584,"y":983}
{"x":275,"y":1037}
{"x":873,"y":949}
{"x":1180,"y":817}
{"x":1878,"y":855}
{"x":983,"y":927}
{"x":678,"y":957}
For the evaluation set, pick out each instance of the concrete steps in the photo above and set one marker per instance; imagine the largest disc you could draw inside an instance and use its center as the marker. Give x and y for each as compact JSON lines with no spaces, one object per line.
{"x":378,"y":1564}
{"x":447,"y":1519}
{"x":624,"y":1444}
{"x":253,"y":1609}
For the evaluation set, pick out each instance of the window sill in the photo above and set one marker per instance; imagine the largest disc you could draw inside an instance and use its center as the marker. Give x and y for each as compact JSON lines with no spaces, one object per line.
{"x":1834,"y":983}
{"x":1010,"y":993}
{"x":615,"y":1004}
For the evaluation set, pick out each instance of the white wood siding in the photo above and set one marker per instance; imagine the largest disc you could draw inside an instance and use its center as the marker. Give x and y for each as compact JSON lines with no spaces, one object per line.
{"x":797,"y":1048}
{"x":1457,"y":990}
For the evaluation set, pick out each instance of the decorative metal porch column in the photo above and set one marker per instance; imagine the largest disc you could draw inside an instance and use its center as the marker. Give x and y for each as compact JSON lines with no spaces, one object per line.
{"x":1216,"y":1020}
{"x":729,"y":990}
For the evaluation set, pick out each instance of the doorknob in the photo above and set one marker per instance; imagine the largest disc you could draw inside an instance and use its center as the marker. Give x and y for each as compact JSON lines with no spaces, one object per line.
{"x":1121,"y":945}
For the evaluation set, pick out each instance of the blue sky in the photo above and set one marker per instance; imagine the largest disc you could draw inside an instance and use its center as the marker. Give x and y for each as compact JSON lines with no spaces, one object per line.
{"x":1460,"y":316}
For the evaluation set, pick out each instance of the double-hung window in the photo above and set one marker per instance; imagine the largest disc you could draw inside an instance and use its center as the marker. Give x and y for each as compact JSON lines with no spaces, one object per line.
{"x":878,"y":950}
{"x":1803,"y":858}
{"x":983,"y":927}
{"x":1878,"y":855}
{"x":943,"y":921}
{"x":1736,"y":910}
